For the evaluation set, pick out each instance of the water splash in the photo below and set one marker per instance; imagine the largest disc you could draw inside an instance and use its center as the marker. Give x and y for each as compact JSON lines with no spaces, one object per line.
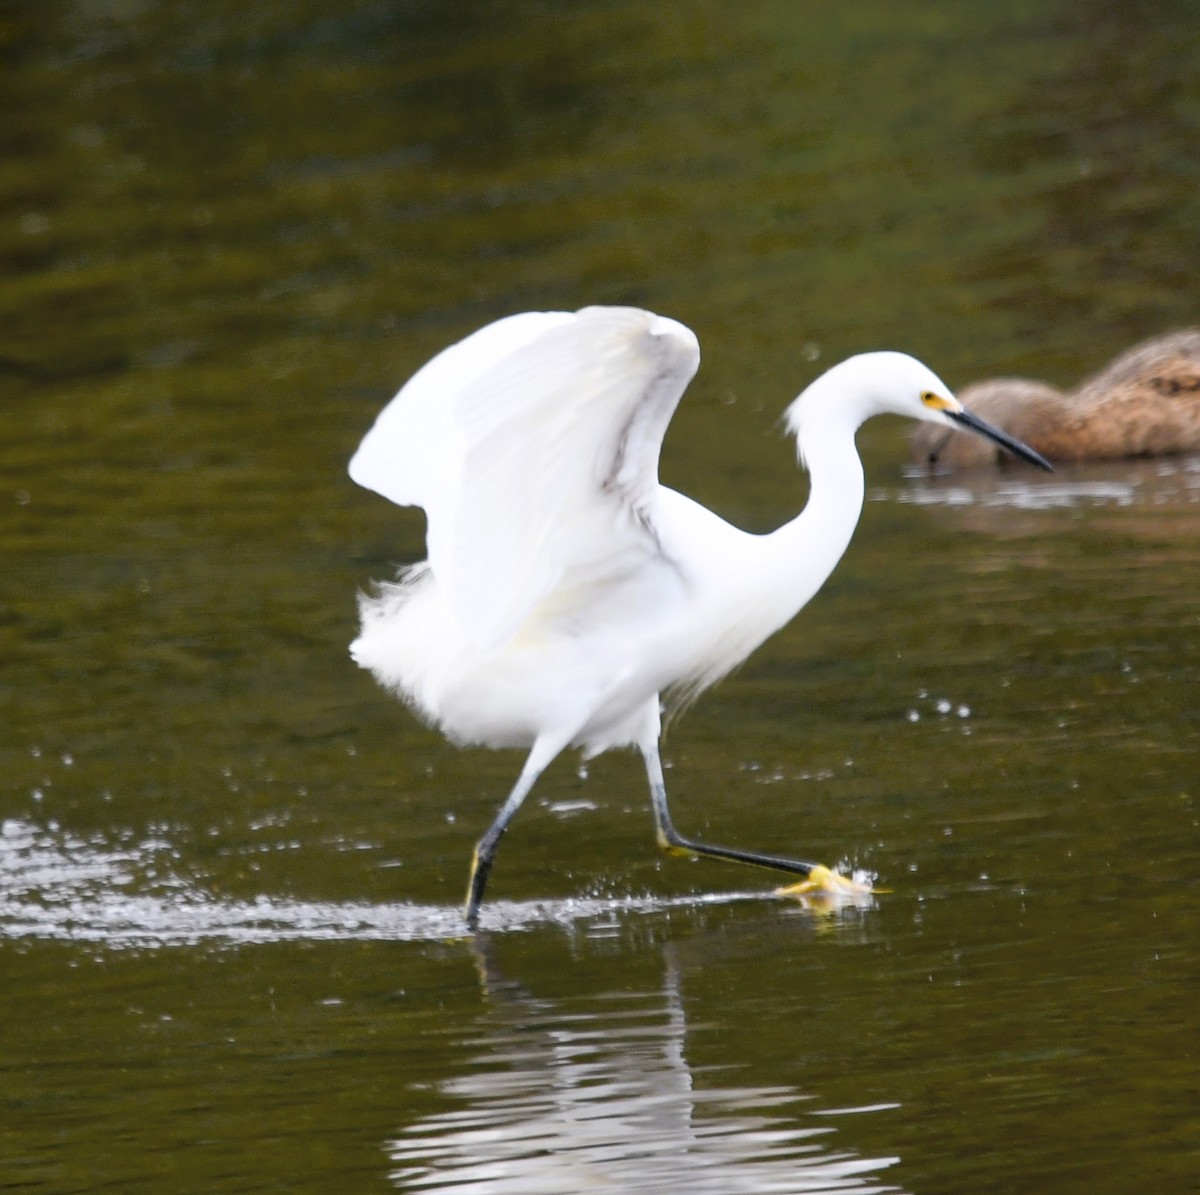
{"x":61,"y":886}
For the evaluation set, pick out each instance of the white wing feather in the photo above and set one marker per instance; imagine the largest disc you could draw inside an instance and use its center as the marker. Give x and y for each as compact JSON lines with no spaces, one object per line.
{"x":413,"y":453}
{"x":540,"y":464}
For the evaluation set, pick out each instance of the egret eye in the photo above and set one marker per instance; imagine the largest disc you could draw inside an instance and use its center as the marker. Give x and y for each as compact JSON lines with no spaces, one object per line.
{"x":934,"y":401}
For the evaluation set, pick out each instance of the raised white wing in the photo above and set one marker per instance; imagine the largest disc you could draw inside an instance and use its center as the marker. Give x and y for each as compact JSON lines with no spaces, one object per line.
{"x":412,"y":454}
{"x":543,"y":469}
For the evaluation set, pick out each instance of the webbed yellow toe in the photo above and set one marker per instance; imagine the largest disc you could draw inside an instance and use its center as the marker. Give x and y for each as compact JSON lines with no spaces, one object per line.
{"x":823,"y":881}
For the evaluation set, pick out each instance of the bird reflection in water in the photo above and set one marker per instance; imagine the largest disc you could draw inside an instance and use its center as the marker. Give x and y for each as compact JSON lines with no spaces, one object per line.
{"x":608,"y":1102}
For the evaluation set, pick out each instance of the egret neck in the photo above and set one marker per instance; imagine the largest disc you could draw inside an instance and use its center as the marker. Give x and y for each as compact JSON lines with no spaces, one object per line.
{"x":806,"y":550}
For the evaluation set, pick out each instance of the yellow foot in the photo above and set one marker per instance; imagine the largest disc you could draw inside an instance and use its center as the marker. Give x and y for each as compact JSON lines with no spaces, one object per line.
{"x":822,"y":881}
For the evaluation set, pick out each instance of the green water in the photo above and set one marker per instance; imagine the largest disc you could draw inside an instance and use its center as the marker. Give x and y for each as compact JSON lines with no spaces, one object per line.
{"x":230,"y":867}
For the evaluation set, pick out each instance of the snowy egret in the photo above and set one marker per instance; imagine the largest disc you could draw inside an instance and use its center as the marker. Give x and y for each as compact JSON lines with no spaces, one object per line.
{"x":566,"y":593}
{"x":1144,"y":403}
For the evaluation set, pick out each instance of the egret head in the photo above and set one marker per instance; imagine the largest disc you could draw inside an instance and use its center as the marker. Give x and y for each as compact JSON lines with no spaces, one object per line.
{"x":894,"y":384}
{"x":940,"y":406}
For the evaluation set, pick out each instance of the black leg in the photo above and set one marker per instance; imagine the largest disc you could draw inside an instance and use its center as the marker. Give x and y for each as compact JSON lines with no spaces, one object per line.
{"x":485,"y":849}
{"x":674,"y":843}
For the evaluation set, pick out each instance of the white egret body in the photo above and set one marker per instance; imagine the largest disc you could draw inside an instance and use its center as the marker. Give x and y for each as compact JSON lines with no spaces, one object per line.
{"x":566,"y":592}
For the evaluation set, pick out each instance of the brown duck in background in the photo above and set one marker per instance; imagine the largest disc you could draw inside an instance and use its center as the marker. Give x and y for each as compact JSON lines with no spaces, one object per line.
{"x":1145,"y":403}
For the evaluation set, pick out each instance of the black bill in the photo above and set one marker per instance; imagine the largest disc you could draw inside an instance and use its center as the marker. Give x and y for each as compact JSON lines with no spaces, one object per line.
{"x":977,"y":425}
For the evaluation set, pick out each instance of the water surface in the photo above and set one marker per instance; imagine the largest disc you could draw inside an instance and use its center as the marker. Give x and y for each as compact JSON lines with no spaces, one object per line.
{"x":230,"y":868}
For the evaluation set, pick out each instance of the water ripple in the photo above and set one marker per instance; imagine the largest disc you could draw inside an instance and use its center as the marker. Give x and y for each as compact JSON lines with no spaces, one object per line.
{"x":1023,"y":495}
